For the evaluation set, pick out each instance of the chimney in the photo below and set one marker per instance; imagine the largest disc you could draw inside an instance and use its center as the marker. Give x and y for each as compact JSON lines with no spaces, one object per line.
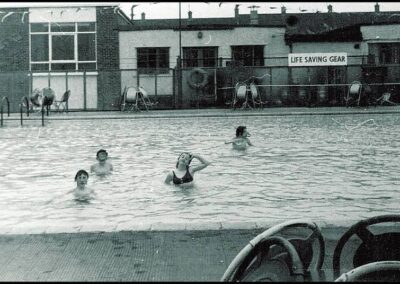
{"x":236,"y":11}
{"x":143,"y":16}
{"x":253,"y":17}
{"x":190,"y":14}
{"x":329,"y":8}
{"x":376,"y":8}
{"x":283,"y":10}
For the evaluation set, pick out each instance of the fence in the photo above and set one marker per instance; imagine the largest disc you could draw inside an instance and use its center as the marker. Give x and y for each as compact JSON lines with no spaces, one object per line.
{"x":278,"y":84}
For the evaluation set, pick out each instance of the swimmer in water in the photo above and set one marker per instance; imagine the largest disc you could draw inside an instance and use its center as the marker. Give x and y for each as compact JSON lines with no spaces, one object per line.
{"x":183,"y":173}
{"x":81,"y":190}
{"x":103,"y":167}
{"x":240,"y":142}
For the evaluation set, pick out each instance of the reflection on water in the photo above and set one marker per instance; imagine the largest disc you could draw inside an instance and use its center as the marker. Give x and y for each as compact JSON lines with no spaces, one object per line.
{"x":300,"y":167}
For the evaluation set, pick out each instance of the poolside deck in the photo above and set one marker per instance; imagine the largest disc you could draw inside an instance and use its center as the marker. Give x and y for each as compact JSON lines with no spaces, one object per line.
{"x":193,"y":255}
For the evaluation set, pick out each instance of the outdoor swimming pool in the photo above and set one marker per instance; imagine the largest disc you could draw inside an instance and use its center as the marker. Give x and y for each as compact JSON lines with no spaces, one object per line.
{"x":323,"y":167}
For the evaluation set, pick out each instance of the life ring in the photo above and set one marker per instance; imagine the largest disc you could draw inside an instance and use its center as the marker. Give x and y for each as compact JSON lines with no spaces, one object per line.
{"x":197,"y":73}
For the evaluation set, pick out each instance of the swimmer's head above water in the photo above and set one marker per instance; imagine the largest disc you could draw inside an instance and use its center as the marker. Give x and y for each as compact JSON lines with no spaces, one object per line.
{"x":242,"y":131}
{"x":81,"y":177}
{"x":101,"y":154}
{"x":185,"y":158}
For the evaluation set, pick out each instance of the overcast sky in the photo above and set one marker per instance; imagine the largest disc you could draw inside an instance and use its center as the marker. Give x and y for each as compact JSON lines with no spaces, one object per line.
{"x":170,"y":10}
{"x":226,"y":9}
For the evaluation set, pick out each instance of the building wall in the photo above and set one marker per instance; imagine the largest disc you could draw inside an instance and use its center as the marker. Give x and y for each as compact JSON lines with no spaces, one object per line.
{"x":272,"y":38}
{"x":109,"y":84}
{"x":90,"y":90}
{"x":14,"y":56}
{"x":381,"y":32}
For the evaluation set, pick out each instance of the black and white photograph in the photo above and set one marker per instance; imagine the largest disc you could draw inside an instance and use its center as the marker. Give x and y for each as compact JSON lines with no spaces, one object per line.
{"x":199,"y":141}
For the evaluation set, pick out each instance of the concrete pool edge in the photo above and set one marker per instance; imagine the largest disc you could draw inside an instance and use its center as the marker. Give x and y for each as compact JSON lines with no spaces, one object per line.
{"x":160,"y":114}
{"x":159,"y":226}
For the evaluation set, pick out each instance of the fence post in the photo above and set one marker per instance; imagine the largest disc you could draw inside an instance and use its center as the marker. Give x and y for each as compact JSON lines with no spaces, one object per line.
{"x":42,"y":115}
{"x":215,"y":85}
{"x":155,"y":84}
{"x":174,"y":88}
{"x":84,"y":90}
{"x":270,"y":84}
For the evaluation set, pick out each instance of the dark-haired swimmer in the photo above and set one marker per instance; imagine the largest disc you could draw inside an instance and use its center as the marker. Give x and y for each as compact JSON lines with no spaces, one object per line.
{"x":183,"y":173}
{"x":241,"y":141}
{"x":103,"y":167}
{"x":81,"y":190}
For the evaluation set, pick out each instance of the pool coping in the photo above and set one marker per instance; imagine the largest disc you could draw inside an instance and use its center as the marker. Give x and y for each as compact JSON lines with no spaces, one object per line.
{"x":159,"y":226}
{"x":214,"y":112}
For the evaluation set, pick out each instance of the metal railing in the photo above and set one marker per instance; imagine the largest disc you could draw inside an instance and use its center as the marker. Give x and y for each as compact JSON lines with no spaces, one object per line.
{"x":8,"y":108}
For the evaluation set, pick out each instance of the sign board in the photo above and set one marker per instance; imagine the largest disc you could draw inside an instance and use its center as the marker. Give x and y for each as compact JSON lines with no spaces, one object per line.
{"x":317,"y":59}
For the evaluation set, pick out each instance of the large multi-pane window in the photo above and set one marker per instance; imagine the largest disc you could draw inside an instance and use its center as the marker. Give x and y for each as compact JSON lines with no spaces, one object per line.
{"x":200,"y":56}
{"x":153,"y":60}
{"x":248,"y":55}
{"x":384,"y":53}
{"x":63,"y":46}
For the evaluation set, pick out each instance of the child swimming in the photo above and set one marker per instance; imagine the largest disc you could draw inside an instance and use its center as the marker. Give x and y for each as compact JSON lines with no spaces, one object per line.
{"x":82,"y":191}
{"x":240,"y":142}
{"x":103,"y":167}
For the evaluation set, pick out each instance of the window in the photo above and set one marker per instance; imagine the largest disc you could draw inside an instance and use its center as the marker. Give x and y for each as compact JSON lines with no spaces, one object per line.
{"x":200,"y":56}
{"x":384,"y":53}
{"x":249,"y":55}
{"x":153,"y":60}
{"x":63,"y":46}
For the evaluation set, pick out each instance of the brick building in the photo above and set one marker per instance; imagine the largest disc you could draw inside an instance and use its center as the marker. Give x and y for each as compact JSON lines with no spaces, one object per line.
{"x":65,"y":47}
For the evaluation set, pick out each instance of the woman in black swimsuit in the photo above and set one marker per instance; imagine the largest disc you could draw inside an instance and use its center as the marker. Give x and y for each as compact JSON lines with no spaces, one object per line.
{"x":184,"y":172}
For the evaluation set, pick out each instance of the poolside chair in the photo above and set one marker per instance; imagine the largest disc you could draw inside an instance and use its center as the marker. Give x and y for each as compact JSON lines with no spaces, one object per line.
{"x":62,"y":104}
{"x":241,"y":96}
{"x":276,"y":256}
{"x":35,"y":100}
{"x":135,"y":97}
{"x":354,"y":94}
{"x":255,"y":96}
{"x":380,"y":246}
{"x":385,"y":98}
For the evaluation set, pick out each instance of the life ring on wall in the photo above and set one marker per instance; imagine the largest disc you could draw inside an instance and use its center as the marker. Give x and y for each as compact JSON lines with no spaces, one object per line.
{"x":197,"y":73}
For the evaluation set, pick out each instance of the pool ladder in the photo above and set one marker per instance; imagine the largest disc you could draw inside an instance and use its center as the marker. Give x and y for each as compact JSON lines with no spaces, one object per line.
{"x":8,"y":108}
{"x":24,"y":99}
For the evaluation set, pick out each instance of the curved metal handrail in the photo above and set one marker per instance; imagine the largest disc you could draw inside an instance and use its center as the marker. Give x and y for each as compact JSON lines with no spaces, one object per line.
{"x":8,"y":108}
{"x":24,"y":98}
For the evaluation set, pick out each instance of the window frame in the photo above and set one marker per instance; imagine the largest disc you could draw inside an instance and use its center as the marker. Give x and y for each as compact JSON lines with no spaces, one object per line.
{"x":200,"y":59}
{"x":51,"y":62}
{"x":384,"y":52}
{"x":254,"y":59}
{"x":153,"y":70}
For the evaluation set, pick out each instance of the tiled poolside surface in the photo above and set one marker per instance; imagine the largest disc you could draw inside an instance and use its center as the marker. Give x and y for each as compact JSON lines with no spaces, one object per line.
{"x":184,"y":255}
{"x":143,"y":252}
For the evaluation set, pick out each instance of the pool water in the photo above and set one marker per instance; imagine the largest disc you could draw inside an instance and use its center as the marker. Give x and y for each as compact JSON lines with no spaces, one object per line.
{"x":326,"y":168}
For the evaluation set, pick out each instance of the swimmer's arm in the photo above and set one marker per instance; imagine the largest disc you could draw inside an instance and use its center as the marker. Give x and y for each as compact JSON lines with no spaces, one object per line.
{"x":92,"y":168}
{"x":204,"y":163}
{"x":231,"y":141}
{"x":248,"y":142}
{"x":111,"y":167}
{"x":168,"y":179}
